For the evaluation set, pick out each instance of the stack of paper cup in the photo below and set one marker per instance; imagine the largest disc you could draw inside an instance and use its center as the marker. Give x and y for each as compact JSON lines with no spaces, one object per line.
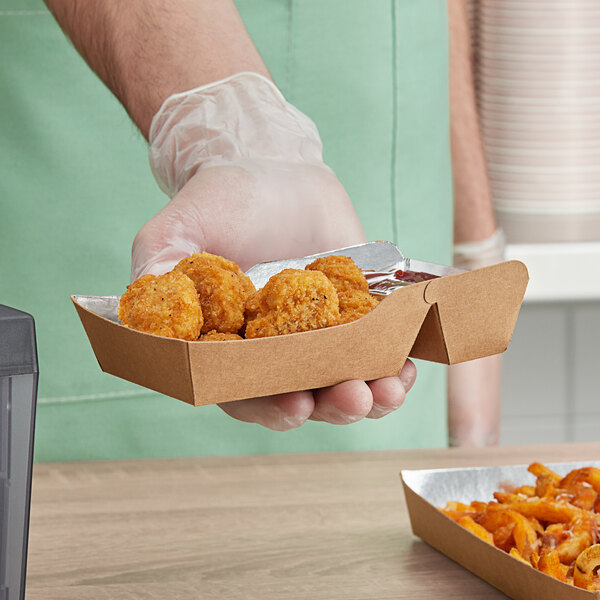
{"x":538,"y":84}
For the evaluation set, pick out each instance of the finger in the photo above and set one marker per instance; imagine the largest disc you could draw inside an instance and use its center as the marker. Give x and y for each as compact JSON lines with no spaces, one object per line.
{"x":164,"y":240}
{"x":388,"y":395}
{"x":342,"y":404}
{"x":156,"y":253}
{"x":280,"y":412}
{"x":389,"y":392}
{"x":408,"y":374}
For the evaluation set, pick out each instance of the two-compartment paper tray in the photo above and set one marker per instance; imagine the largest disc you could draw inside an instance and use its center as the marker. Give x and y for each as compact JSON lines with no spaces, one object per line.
{"x":426,"y":490}
{"x":450,"y":319}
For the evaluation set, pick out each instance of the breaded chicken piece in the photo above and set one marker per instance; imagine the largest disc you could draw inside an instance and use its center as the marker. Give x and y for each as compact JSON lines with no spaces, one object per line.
{"x":215,"y":336}
{"x":222,"y":298}
{"x":292,"y":301}
{"x":355,"y":305}
{"x":205,"y":258}
{"x":166,"y":305}
{"x":222,"y":288}
{"x":342,"y":272}
{"x":350,"y":284}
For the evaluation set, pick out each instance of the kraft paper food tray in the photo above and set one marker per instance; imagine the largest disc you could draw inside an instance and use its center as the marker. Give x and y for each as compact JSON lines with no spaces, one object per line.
{"x":450,"y":319}
{"x":427,"y":490}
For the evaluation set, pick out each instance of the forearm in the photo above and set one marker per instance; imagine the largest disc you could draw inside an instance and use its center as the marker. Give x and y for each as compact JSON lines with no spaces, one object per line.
{"x":474,"y":407}
{"x":474,"y":394}
{"x":146,"y":50}
{"x":473,"y":210}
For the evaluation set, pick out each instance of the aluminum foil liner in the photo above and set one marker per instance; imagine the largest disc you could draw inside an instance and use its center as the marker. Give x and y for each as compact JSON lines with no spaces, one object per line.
{"x":105,"y":306}
{"x":383,"y":264}
{"x":439,"y":486}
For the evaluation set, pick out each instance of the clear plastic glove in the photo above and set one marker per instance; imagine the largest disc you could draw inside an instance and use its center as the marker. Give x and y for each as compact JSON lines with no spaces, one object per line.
{"x":245,"y":172}
{"x":474,"y":387}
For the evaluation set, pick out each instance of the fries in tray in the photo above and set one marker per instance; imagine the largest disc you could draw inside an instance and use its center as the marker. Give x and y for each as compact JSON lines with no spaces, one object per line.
{"x":552,"y":525}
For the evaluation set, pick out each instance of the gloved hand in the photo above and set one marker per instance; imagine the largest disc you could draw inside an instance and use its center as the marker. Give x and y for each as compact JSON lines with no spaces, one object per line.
{"x":245,"y":172}
{"x":474,"y":387}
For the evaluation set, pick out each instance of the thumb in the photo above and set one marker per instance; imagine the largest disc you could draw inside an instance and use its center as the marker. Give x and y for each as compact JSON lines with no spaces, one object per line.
{"x":164,"y":240}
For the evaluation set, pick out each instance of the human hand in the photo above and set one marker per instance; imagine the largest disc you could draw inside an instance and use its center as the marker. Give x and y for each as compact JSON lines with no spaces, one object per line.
{"x":253,"y":187}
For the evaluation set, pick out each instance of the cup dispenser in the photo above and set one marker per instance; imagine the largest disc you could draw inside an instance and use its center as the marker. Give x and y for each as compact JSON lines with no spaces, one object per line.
{"x":18,"y":393}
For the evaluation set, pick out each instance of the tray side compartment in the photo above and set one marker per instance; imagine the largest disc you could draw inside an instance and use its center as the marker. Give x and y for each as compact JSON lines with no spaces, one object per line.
{"x":478,"y":309}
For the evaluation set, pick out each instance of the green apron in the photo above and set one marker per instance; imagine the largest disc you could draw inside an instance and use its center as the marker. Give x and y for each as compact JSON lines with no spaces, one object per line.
{"x":76,"y":187}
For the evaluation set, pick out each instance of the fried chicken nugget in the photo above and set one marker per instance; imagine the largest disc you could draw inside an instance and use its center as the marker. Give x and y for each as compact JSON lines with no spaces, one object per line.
{"x":222,"y":288}
{"x":292,"y":301}
{"x":205,"y":258}
{"x":355,"y":305}
{"x":166,"y":305}
{"x":342,"y":272}
{"x":350,"y":284}
{"x":215,"y":336}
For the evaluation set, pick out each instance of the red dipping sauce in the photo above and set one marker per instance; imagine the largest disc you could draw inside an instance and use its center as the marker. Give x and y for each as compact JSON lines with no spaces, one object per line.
{"x":386,"y":283}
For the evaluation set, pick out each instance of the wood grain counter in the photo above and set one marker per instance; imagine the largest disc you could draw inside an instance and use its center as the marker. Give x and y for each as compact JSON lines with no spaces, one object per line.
{"x":302,"y":526}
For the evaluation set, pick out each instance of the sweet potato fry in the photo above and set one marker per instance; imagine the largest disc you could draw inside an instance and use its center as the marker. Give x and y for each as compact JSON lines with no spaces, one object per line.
{"x":552,"y":537}
{"x":508,"y":525}
{"x":545,"y":486}
{"x":516,"y":554}
{"x":475,"y":528}
{"x":455,"y":510}
{"x":589,"y":475}
{"x":459,"y":507}
{"x":526,"y":538}
{"x":525,"y":490}
{"x":537,"y":526}
{"x":503,"y":537}
{"x":494,"y":519}
{"x":549,"y":563}
{"x":507,"y":497}
{"x":554,"y":526}
{"x":579,"y":536}
{"x":546,"y":510}
{"x":538,"y":469}
{"x":584,"y":497}
{"x":456,"y":514}
{"x":500,"y":524}
{"x":585,"y":565}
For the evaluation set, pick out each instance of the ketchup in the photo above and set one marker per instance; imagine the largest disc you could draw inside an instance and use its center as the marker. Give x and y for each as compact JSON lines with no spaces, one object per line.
{"x":387,"y":282}
{"x":413,"y":276}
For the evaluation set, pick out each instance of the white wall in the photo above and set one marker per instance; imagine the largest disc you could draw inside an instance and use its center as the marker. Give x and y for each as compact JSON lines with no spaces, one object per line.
{"x":551,"y":379}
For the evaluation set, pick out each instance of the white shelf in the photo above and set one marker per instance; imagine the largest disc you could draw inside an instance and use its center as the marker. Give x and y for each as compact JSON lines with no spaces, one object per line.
{"x":560,"y":272}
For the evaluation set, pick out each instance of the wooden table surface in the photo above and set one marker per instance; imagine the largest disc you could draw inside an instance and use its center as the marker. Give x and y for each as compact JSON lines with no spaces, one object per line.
{"x":303,"y":526}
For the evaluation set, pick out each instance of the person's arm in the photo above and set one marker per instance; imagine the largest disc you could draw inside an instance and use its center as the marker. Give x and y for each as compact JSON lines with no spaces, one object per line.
{"x":474,"y":214}
{"x":243,"y":166}
{"x":474,"y":387}
{"x":146,"y":50}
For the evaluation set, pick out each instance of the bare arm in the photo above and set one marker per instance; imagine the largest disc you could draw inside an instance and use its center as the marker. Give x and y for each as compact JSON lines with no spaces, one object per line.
{"x":146,"y":50}
{"x":473,"y":388}
{"x":474,"y":215}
